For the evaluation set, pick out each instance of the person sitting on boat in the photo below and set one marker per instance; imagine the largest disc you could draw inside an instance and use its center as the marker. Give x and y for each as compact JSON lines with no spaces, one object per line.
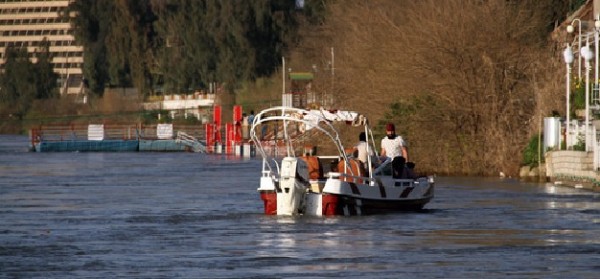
{"x":393,"y":145}
{"x":360,"y":149}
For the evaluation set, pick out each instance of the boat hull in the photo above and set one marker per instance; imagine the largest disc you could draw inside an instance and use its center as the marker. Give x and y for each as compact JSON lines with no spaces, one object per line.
{"x":349,"y":206}
{"x":349,"y":199}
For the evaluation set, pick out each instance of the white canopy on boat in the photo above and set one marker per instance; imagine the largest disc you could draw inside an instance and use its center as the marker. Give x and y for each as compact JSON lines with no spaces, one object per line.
{"x":314,"y":116}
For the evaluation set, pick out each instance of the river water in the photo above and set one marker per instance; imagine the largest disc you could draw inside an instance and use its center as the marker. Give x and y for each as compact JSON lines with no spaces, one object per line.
{"x":187,"y":215}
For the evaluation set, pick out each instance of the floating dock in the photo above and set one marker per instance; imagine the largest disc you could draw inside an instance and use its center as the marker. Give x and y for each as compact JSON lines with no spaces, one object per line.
{"x":116,"y":138}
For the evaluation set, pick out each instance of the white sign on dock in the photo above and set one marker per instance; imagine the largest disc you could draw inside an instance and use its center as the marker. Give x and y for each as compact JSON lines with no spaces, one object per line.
{"x":96,"y":132}
{"x":164,"y":131}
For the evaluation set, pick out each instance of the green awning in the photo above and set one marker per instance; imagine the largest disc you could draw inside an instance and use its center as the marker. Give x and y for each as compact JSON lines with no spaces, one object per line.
{"x":301,"y":76}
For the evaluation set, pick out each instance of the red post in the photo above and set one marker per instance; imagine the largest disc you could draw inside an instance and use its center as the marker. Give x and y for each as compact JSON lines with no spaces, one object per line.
{"x":229,"y":136}
{"x":210,"y":137}
{"x":237,"y":113}
{"x":217,"y":115}
{"x":217,"y":127}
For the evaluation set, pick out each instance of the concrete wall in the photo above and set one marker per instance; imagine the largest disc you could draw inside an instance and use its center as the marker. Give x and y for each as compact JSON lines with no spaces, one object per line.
{"x":571,"y":165}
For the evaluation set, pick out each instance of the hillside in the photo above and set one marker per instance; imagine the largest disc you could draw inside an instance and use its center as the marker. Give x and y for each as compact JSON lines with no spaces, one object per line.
{"x":466,"y":82}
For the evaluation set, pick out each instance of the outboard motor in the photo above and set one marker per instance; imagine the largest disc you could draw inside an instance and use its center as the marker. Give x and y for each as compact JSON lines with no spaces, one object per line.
{"x":293,"y":183}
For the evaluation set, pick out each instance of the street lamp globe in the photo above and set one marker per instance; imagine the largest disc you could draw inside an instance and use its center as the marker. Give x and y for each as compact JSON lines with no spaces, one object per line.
{"x":568,"y":55}
{"x":587,"y":53}
{"x":597,"y":24}
{"x":570,"y":29}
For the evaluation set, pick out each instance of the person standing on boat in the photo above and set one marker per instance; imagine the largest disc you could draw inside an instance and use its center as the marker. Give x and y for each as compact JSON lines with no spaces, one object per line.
{"x":393,"y":145}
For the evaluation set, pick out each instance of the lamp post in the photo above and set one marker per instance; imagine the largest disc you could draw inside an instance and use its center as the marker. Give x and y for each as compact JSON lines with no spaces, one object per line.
{"x":570,"y":29}
{"x":568,"y":55}
{"x":596,"y":43}
{"x":283,"y":96}
{"x":587,"y":54}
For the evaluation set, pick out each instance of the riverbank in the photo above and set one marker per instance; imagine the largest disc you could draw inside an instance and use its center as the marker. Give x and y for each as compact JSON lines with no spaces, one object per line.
{"x":566,"y":168}
{"x":578,"y":185}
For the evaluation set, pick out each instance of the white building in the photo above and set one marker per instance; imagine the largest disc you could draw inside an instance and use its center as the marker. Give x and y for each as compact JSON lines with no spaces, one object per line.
{"x":25,"y":23}
{"x":197,"y":105}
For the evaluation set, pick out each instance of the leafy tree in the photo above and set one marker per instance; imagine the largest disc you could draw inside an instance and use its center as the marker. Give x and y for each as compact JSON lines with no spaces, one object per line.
{"x":16,"y":84}
{"x":130,"y":44}
{"x":225,"y":41}
{"x":182,"y":44}
{"x":22,"y":81}
{"x":44,"y":73}
{"x":91,"y":25}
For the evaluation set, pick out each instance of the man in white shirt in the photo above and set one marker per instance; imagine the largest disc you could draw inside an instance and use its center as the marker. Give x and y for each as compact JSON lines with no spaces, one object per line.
{"x":393,"y":145}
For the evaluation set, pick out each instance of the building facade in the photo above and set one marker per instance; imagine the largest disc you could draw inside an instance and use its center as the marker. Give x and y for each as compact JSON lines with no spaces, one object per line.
{"x":26,"y":23}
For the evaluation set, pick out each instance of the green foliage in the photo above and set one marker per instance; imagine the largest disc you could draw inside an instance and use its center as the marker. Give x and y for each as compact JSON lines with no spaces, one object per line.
{"x":151,"y":116}
{"x":22,"y":81}
{"x":182,"y":45}
{"x":575,"y":4}
{"x":404,"y":112}
{"x":45,"y":77}
{"x":580,"y":144}
{"x":91,"y":27}
{"x":531,"y":153}
{"x":577,"y":95}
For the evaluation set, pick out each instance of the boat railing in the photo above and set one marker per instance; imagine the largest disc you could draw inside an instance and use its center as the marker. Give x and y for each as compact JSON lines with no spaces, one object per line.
{"x":268,"y":174}
{"x":150,"y":132}
{"x":272,"y":176}
{"x":267,"y":170}
{"x":191,"y":142}
{"x":288,"y":115}
{"x":125,"y":132}
{"x":276,"y":165}
{"x":58,"y":132}
{"x":112,"y":131}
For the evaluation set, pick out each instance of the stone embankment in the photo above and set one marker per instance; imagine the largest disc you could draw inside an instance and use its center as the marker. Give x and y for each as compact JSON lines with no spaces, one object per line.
{"x":568,"y":168}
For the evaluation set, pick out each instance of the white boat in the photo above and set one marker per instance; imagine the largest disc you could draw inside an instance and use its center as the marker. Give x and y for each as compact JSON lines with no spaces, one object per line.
{"x":294,"y":182}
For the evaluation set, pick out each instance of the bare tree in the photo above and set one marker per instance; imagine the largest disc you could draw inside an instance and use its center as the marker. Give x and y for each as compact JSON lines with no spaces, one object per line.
{"x":468,"y":75}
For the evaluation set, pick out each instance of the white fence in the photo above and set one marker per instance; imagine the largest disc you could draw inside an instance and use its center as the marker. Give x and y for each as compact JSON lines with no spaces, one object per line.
{"x":576,"y":137}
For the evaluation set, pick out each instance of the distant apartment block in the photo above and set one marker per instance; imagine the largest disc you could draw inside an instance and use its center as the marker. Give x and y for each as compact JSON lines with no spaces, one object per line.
{"x":26,"y":23}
